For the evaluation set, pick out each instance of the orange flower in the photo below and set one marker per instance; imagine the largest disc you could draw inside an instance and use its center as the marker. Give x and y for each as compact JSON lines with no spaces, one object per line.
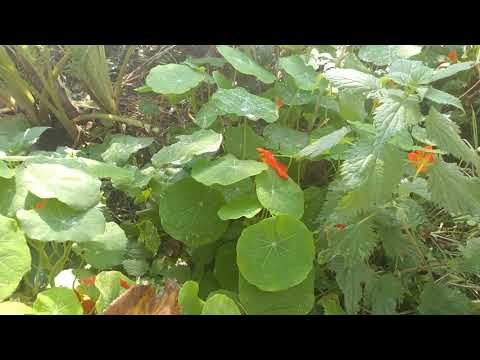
{"x":340,"y":226}
{"x":452,"y":56}
{"x":88,"y":281}
{"x":268,"y":158}
{"x":124,"y":284}
{"x":41,"y":204}
{"x":422,"y":159}
{"x":278,"y":103}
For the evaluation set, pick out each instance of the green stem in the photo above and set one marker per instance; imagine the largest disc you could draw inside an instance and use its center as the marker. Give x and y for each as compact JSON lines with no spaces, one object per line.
{"x":117,"y":88}
{"x":244,"y":145}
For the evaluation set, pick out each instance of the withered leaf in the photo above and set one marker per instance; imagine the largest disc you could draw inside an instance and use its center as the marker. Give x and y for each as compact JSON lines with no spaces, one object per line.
{"x":142,"y":300}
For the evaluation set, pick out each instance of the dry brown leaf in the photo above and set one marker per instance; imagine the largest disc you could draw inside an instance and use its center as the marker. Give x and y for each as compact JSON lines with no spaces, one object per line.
{"x":142,"y":300}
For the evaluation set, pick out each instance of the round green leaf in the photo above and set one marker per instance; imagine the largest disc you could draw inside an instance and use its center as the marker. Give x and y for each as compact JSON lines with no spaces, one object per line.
{"x":108,"y":285}
{"x":297,"y":300}
{"x":120,"y":147}
{"x":247,"y":206}
{"x":58,"y":222}
{"x":226,"y":170}
{"x":278,"y":195}
{"x":239,"y":189}
{"x":304,"y":75}
{"x":188,"y":146}
{"x":14,"y":308}
{"x":276,"y":253}
{"x":226,"y":269}
{"x":188,"y":299}
{"x":73,"y":187}
{"x":240,"y":102}
{"x":57,"y":301}
{"x":220,"y":305}
{"x":188,"y":212}
{"x":106,"y":250}
{"x":173,"y":79}
{"x":15,"y":256}
{"x":242,"y":63}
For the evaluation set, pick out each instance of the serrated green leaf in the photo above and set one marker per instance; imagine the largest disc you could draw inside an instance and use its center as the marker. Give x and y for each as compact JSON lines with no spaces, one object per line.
{"x":451,"y":70}
{"x":438,"y":299}
{"x":135,"y":267}
{"x":188,"y":146}
{"x":410,"y":73}
{"x":470,"y":259}
{"x":323,"y":144}
{"x":443,"y":98}
{"x":385,"y":54}
{"x":352,"y":79}
{"x":226,"y":170}
{"x":173,"y":79}
{"x":278,"y":195}
{"x":417,"y":186}
{"x":244,"y":64}
{"x":384,"y":294}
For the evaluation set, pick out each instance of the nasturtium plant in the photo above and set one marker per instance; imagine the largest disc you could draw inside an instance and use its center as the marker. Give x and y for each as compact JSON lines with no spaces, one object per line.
{"x":242,"y":180}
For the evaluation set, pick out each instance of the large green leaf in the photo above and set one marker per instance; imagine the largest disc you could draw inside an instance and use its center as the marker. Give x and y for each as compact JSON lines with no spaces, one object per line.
{"x":220,"y":304}
{"x":304,"y":75}
{"x":291,"y":95}
{"x":226,"y":269}
{"x":323,"y":144}
{"x":188,"y":212}
{"x":410,"y":73}
{"x":278,"y":195}
{"x":470,"y":259}
{"x":57,"y":301}
{"x":385,"y":54}
{"x":240,"y":102}
{"x":238,"y":190}
{"x":14,"y":308}
{"x":106,"y":250}
{"x":351,"y":106}
{"x":314,"y":198}
{"x":15,"y":256}
{"x":75,"y":188}
{"x":16,"y":135}
{"x":222,"y":81}
{"x":446,"y":134}
{"x":244,"y":64}
{"x":297,"y":300}
{"x":226,"y":170}
{"x":352,"y":79}
{"x":384,"y":294}
{"x":207,"y":114}
{"x":188,"y":146}
{"x":276,"y":253}
{"x":284,"y":140}
{"x":451,"y":70}
{"x":188,"y":299}
{"x":120,"y":147}
{"x":242,"y":142}
{"x":454,"y":191}
{"x":438,"y":299}
{"x":173,"y":79}
{"x":58,"y":222}
{"x":243,"y":206}
{"x":7,"y":195}
{"x":108,"y":285}
{"x":443,"y":98}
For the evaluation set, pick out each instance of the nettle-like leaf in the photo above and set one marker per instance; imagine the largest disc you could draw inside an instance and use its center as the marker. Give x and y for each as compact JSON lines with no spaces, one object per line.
{"x":244,"y":64}
{"x":57,"y":301}
{"x":73,"y":187}
{"x":451,"y":70}
{"x":220,"y":304}
{"x":354,"y":243}
{"x":240,"y":102}
{"x":297,"y":300}
{"x":446,"y":133}
{"x":350,"y":281}
{"x":384,"y":294}
{"x":323,"y":144}
{"x":304,"y":75}
{"x":276,"y":253}
{"x":438,"y":299}
{"x":242,"y":142}
{"x":15,"y":259}
{"x":417,"y":186}
{"x":278,"y":195}
{"x":106,"y":250}
{"x":244,"y":206}
{"x":384,"y":54}
{"x":188,"y":146}
{"x":441,"y":97}
{"x":394,"y":115}
{"x":454,"y":191}
{"x":284,"y":140}
{"x":226,"y":170}
{"x":173,"y":79}
{"x":410,"y":73}
{"x":352,"y":79}
{"x":470,"y":259}
{"x":188,"y":299}
{"x":188,"y":211}
{"x":57,"y":222}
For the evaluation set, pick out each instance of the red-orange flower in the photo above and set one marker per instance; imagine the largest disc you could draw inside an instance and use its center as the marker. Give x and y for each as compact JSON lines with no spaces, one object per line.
{"x":88,"y":281}
{"x":268,"y":158}
{"x":41,"y":204}
{"x":340,"y":226}
{"x":452,"y":56}
{"x":124,"y":284}
{"x":422,"y":159}
{"x":278,"y":103}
